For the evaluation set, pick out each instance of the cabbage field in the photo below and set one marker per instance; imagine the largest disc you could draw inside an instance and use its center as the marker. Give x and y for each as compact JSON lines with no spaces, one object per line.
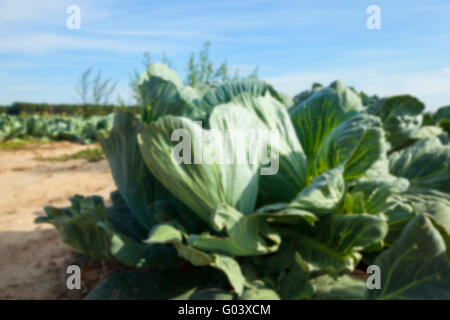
{"x":74,"y":128}
{"x":362,"y":181}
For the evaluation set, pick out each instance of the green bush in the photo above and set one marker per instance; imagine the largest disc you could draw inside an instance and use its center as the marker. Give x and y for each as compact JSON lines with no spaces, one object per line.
{"x":26,"y":108}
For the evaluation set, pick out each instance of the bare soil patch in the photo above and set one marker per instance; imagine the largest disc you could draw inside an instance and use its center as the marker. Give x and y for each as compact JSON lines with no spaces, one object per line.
{"x":33,"y":259}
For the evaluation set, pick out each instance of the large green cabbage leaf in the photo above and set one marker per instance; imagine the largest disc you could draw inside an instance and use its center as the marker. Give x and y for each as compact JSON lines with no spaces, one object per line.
{"x":407,"y":205}
{"x":426,"y":164}
{"x":91,"y":229}
{"x":417,"y":266}
{"x":272,"y":116}
{"x":336,"y":240}
{"x":202,"y":187}
{"x":83,"y":226}
{"x":225,"y":92}
{"x":401,"y":115}
{"x":162,"y":93}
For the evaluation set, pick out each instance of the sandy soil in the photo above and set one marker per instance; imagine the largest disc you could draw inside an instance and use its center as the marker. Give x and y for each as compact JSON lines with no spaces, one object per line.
{"x":33,"y":259}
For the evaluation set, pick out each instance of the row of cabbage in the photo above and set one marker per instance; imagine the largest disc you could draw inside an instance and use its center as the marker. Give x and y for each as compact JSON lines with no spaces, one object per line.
{"x":79,"y":129}
{"x":359,"y":183}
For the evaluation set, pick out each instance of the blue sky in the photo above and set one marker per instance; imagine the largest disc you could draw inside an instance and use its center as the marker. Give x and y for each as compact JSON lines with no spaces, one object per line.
{"x":294,"y":43}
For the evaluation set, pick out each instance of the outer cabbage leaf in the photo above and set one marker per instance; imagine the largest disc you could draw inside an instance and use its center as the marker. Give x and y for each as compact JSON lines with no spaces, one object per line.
{"x":414,"y":202}
{"x":373,"y":196}
{"x":425,"y":132}
{"x":302,"y":96}
{"x":122,"y":220}
{"x":82,"y":226}
{"x":260,"y":293}
{"x":163,"y":93}
{"x":426,"y":164}
{"x":350,"y":100}
{"x":336,"y":240}
{"x":291,"y":175}
{"x":140,"y":255}
{"x":343,"y":288}
{"x":152,"y":284}
{"x":168,"y":234}
{"x":400,"y":116}
{"x":348,"y":97}
{"x":87,"y":227}
{"x":323,"y":195}
{"x":316,"y":117}
{"x":143,"y":193}
{"x":295,"y":284}
{"x":357,"y":143}
{"x":202,"y":187}
{"x":135,"y":253}
{"x":416,"y":267}
{"x":443,"y":113}
{"x":225,"y":92}
{"x":135,"y":183}
{"x":249,"y":236}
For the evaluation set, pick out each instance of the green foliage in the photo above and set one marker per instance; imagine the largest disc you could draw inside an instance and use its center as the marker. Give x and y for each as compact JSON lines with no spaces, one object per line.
{"x":97,"y":90}
{"x":428,"y":119}
{"x":445,"y":124}
{"x":110,"y":234}
{"x":91,"y":155}
{"x":54,"y":128}
{"x":341,"y":195}
{"x":442,"y":113}
{"x":146,"y":197}
{"x":426,"y":164}
{"x":401,"y":116}
{"x":152,"y":285}
{"x":18,"y":143}
{"x":44,"y":109}
{"x":417,"y":266}
{"x":442,"y":118}
{"x":83,"y":226}
{"x":201,"y":73}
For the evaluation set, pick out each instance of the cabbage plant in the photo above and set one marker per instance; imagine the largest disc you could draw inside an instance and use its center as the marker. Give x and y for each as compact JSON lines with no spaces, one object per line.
{"x":79,"y":129}
{"x":357,"y":185}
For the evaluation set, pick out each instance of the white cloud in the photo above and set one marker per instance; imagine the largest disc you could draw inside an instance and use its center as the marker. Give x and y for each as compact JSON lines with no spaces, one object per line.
{"x":241,"y":68}
{"x":49,"y":12}
{"x":155,"y":33}
{"x":376,"y":52}
{"x":40,"y":43}
{"x":25,"y":10}
{"x":14,"y":65}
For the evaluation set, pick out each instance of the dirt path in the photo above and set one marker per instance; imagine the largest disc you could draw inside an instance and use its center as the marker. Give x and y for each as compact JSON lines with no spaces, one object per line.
{"x":33,"y":259}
